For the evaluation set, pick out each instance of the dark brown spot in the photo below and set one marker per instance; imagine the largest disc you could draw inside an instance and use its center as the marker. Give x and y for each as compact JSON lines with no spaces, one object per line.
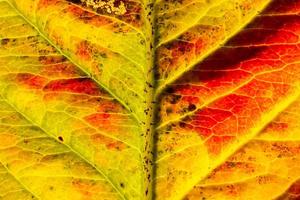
{"x":192,"y":107}
{"x":60,"y":138}
{"x":4,"y":41}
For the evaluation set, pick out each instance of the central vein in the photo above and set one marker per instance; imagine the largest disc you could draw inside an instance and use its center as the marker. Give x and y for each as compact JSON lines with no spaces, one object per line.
{"x":150,"y":107}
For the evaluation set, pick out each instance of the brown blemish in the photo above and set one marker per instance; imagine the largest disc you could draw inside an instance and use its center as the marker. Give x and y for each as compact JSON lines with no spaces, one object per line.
{"x":60,"y":138}
{"x":5,"y":41}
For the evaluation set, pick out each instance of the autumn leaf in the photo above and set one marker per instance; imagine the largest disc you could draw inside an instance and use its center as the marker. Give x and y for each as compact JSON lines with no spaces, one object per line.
{"x":140,"y":99}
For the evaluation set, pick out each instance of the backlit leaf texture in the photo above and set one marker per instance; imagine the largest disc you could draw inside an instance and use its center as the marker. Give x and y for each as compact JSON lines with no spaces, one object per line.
{"x":141,"y":99}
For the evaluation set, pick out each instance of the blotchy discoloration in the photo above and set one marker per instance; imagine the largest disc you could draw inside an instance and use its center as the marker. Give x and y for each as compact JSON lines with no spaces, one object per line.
{"x":129,"y":11}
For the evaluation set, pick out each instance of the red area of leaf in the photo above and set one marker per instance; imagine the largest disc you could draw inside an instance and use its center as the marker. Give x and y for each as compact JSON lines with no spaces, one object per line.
{"x":77,"y":85}
{"x":294,"y":191}
{"x":283,"y":6}
{"x":31,"y":81}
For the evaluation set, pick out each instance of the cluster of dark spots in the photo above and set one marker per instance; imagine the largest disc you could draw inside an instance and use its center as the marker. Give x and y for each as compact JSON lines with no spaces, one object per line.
{"x":102,"y":54}
{"x":150,"y":6}
{"x":150,"y":9}
{"x":6,"y":41}
{"x":146,"y":111}
{"x":174,"y":98}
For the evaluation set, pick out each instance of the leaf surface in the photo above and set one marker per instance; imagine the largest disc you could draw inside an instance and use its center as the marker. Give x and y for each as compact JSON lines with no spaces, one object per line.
{"x":140,"y":99}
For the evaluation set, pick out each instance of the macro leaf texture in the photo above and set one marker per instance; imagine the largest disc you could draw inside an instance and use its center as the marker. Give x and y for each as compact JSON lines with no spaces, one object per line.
{"x":143,"y":99}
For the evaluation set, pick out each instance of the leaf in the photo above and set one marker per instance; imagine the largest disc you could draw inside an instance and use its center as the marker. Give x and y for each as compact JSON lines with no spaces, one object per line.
{"x":119,"y":99}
